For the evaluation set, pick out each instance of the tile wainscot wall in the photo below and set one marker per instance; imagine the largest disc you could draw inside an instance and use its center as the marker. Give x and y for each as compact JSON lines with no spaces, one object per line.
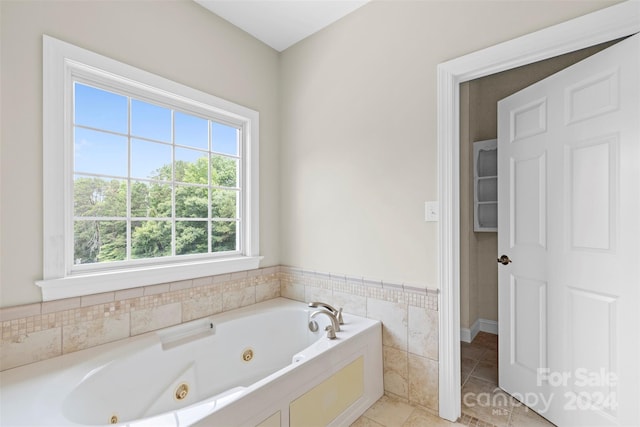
{"x":35,"y":332}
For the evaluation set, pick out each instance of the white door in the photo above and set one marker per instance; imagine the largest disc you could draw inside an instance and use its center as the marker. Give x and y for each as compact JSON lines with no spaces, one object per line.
{"x":569,"y":215}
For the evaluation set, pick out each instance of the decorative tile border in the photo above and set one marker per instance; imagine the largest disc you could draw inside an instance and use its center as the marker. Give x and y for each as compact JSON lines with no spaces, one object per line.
{"x":385,"y":291}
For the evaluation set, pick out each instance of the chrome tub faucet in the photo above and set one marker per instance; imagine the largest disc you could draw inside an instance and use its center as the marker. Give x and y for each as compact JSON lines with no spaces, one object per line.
{"x":331,"y":329}
{"x":336,"y":313}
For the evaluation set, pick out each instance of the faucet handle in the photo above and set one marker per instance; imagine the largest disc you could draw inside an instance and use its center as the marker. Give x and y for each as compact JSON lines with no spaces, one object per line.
{"x":339,"y":317}
{"x":331,"y":333}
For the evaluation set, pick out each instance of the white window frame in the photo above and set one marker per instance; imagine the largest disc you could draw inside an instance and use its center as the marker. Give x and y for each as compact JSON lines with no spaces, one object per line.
{"x":64,"y":63}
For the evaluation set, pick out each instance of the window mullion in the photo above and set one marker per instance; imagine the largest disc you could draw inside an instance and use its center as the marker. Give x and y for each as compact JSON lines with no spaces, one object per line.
{"x":173,"y":184}
{"x":129,"y":185}
{"x":240,"y":201}
{"x":209,"y":190}
{"x":69,"y":173}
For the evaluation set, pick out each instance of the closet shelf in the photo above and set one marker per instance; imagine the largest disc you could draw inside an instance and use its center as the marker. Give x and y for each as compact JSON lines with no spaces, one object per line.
{"x":485,"y":186}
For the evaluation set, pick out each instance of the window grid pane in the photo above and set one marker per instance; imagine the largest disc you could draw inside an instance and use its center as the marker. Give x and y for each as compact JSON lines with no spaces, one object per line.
{"x":99,"y":240}
{"x":173,"y":193}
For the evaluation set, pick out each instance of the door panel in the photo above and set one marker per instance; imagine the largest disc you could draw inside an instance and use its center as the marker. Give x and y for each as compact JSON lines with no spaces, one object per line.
{"x":528,"y":212}
{"x":529,"y":120}
{"x":592,"y":97}
{"x":528,"y":323}
{"x":592,"y":319}
{"x":568,"y":218}
{"x":591,"y":189}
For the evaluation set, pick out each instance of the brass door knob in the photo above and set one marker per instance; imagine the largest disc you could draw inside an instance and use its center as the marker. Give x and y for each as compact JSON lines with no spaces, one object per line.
{"x":504,"y":260}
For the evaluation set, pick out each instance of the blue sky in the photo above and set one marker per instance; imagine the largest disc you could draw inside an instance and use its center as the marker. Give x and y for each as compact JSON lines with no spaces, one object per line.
{"x":105,"y":153}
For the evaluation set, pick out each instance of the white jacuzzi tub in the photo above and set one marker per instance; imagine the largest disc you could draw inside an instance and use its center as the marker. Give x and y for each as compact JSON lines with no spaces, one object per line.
{"x":237,"y":368}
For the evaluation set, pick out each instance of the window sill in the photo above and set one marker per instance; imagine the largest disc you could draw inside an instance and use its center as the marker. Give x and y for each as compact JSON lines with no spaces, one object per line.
{"x":108,"y":281}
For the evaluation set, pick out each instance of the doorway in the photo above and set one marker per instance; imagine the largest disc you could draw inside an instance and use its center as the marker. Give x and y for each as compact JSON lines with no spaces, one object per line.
{"x":479,"y":250}
{"x":608,"y":24}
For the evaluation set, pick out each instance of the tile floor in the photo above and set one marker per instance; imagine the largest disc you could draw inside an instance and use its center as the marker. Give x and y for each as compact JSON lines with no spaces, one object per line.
{"x":392,"y":412}
{"x":481,"y":397}
{"x":483,"y":403}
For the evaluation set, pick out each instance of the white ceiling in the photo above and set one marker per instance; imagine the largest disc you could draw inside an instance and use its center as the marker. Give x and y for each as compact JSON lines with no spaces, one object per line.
{"x":281,"y":23}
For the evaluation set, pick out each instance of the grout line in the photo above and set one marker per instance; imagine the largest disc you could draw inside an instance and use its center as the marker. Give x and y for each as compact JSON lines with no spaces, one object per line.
{"x":472,"y":421}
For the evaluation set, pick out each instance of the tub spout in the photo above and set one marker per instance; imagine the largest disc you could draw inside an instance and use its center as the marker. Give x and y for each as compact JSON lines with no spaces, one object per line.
{"x":337,"y":313}
{"x":333,"y":328}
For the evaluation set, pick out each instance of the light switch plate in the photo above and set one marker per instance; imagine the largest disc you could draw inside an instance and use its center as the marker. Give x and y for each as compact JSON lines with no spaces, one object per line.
{"x":431,"y":211}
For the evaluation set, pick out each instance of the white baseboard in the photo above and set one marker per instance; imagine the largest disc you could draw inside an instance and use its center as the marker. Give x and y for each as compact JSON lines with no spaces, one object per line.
{"x":484,"y":325}
{"x":467,"y":335}
{"x":489,"y":326}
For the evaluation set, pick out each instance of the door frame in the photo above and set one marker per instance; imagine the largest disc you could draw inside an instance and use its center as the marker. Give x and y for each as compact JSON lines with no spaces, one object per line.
{"x":613,"y":22}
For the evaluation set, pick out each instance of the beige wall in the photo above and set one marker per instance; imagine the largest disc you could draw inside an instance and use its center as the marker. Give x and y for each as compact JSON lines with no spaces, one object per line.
{"x":479,"y":119}
{"x":175,"y":39}
{"x":358,"y":150}
{"x":348,"y":119}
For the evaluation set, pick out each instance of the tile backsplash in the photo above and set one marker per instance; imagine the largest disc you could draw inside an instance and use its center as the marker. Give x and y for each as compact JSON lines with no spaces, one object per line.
{"x":40,"y":331}
{"x":410,"y":325}
{"x":35,"y":332}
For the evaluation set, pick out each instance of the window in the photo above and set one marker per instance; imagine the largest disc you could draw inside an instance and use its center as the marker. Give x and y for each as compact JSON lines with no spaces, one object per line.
{"x":151,"y":181}
{"x":145,"y":180}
